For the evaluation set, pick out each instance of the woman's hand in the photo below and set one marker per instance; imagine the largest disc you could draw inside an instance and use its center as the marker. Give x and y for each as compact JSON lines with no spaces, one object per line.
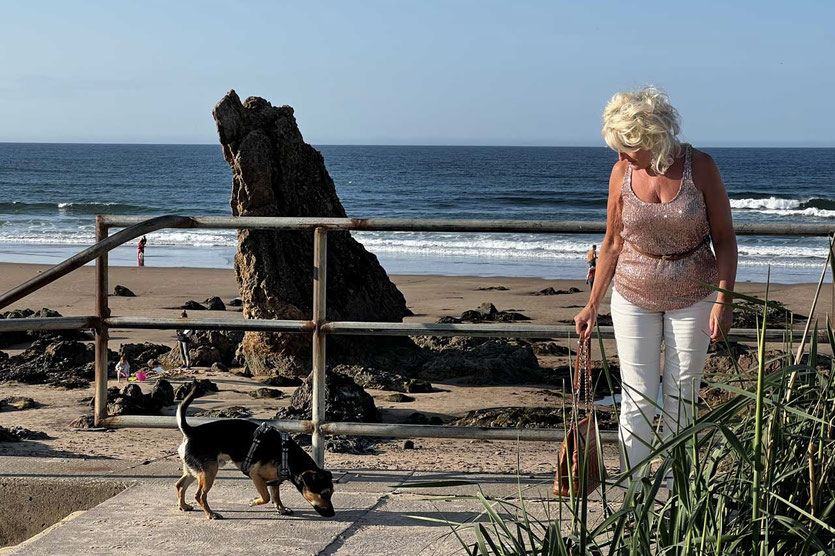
{"x":584,"y":321}
{"x":721,"y":319}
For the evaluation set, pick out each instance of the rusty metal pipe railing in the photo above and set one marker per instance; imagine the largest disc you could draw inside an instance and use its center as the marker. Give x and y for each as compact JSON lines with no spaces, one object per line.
{"x":254,"y":325}
{"x":434,"y":225}
{"x":170,"y":422}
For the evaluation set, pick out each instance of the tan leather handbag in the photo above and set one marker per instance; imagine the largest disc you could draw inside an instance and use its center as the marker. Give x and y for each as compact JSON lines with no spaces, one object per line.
{"x":581,"y":433}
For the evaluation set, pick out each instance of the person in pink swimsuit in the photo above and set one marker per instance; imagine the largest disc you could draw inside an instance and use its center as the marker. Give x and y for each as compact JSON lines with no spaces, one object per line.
{"x":140,"y":252}
{"x":669,"y":234}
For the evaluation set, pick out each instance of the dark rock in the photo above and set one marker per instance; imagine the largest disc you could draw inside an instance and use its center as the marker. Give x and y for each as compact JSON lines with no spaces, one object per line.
{"x":418,"y":386}
{"x":529,"y":418}
{"x":435,"y":420}
{"x":282,"y":381}
{"x":550,"y":348}
{"x":266,"y":393}
{"x":550,"y":291}
{"x":18,"y":402}
{"x":510,"y":316}
{"x":356,"y":445}
{"x":408,"y":445}
{"x":416,"y":418}
{"x":71,"y":383}
{"x":47,"y":361}
{"x":162,"y":393}
{"x":83,"y":422}
{"x":345,"y":401}
{"x":139,"y":355}
{"x":747,"y":313}
{"x":7,"y":436}
{"x":26,"y":434}
{"x":215,"y":304}
{"x":203,"y":385}
{"x":275,"y":173}
{"x":192,"y":305}
{"x":11,"y":338}
{"x":207,"y":347}
{"x":219,"y":368}
{"x":449,"y":320}
{"x":122,"y":291}
{"x":490,"y":362}
{"x":236,"y":302}
{"x":234,"y":412}
{"x":493,"y":288}
{"x":378,"y":379}
{"x":399,"y":398}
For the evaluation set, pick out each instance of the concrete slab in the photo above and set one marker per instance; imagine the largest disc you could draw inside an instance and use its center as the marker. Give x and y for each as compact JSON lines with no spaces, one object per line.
{"x":376,"y":513}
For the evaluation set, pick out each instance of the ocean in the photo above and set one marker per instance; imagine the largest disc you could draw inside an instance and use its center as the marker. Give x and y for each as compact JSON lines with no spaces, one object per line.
{"x":50,"y":194}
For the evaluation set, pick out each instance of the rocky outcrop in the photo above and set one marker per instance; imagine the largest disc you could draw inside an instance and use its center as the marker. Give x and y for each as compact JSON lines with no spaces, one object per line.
{"x":215,"y":304}
{"x":140,"y":355}
{"x":529,"y":418}
{"x":122,"y":291}
{"x":275,"y":173}
{"x":344,"y":401}
{"x":66,"y":363}
{"x":551,"y":291}
{"x":379,"y":379}
{"x":480,"y":361}
{"x":207,"y":347}
{"x":18,"y":403}
{"x":23,"y":337}
{"x":204,"y":386}
{"x":130,"y":400}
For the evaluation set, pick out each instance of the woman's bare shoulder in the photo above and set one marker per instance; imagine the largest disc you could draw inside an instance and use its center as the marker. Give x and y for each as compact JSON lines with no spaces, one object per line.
{"x":705,"y":172}
{"x":618,"y":171}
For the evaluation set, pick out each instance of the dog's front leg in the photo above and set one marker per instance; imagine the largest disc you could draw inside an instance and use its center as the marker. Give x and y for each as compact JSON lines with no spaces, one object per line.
{"x":282,"y":509}
{"x":261,"y":487}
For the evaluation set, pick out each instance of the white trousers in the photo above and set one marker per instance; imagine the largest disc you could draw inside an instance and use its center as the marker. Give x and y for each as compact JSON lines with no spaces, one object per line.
{"x":639,"y":334}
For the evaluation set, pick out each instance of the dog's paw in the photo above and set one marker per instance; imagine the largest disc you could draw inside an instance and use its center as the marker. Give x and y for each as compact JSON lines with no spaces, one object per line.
{"x":186,"y":508}
{"x":214,"y":515}
{"x":284,"y":510}
{"x":257,"y":501}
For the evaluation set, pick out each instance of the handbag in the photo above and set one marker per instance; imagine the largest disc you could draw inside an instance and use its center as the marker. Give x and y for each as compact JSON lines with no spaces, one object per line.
{"x":581,"y":438}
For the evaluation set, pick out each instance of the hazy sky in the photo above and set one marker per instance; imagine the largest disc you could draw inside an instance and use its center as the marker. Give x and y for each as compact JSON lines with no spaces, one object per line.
{"x":419,"y":72}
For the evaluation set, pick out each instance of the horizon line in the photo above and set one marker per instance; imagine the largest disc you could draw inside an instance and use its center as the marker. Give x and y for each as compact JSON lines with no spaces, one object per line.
{"x":441,"y":145}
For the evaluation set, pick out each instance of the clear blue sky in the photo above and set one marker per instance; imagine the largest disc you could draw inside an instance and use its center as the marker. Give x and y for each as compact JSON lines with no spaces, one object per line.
{"x":419,"y":72}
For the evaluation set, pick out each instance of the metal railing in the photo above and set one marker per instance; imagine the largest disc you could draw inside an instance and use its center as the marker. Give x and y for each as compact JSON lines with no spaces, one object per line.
{"x":318,"y":326}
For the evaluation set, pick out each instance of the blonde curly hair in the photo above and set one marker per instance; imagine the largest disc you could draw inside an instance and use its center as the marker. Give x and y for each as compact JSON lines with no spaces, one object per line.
{"x":643,"y":119}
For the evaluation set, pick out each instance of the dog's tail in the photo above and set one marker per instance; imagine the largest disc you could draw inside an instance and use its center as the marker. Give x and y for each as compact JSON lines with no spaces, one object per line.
{"x":184,"y":427}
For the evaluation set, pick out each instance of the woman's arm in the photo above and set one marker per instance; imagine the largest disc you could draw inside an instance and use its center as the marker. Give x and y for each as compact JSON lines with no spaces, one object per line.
{"x":609,"y":252}
{"x":707,"y":178}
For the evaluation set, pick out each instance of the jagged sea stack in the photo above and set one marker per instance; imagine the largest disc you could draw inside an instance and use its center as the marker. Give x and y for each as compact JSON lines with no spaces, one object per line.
{"x":275,"y":173}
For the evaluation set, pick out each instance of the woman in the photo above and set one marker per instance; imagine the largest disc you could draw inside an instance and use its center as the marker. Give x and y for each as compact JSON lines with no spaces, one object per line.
{"x":667,"y":204}
{"x":183,"y":341}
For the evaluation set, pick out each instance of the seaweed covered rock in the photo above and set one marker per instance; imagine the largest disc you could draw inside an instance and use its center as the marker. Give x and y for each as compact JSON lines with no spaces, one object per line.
{"x":275,"y":173}
{"x":22,"y":337}
{"x":139,"y":355}
{"x":484,"y":361}
{"x":206,"y":348}
{"x":344,"y":401}
{"x":529,"y":418}
{"x":379,"y":379}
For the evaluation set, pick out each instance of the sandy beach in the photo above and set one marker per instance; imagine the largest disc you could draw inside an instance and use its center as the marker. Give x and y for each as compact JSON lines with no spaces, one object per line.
{"x":161,"y":291}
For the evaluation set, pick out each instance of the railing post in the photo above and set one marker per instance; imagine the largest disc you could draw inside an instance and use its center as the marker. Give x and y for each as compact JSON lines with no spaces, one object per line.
{"x":320,"y":263}
{"x":102,"y":312}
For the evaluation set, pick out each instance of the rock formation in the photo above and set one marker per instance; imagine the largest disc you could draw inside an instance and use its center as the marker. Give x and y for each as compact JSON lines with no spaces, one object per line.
{"x":275,"y":173}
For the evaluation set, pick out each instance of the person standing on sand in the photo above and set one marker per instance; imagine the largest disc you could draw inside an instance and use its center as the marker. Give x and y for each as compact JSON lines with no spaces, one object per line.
{"x":140,"y":252}
{"x":183,"y":341}
{"x":591,"y":256}
{"x":667,"y":205}
{"x":590,"y":277}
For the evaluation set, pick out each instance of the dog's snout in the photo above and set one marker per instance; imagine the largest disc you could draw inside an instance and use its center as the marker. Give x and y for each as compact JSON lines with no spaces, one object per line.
{"x":325,"y":511}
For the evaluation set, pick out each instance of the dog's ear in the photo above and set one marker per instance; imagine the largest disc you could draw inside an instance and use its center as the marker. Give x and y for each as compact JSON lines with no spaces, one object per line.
{"x":309,"y":479}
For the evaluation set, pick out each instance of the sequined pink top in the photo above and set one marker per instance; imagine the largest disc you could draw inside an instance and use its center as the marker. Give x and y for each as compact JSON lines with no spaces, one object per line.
{"x":671,"y":228}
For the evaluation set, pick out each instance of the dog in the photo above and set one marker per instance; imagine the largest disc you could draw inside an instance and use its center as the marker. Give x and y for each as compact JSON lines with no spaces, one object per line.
{"x":258,"y":451}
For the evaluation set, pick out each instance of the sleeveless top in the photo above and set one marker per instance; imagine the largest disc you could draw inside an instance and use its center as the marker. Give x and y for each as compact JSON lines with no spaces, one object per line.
{"x":675,"y":227}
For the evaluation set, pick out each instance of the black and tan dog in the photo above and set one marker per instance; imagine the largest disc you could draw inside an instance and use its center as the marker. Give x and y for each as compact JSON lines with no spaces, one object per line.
{"x":206,"y":448}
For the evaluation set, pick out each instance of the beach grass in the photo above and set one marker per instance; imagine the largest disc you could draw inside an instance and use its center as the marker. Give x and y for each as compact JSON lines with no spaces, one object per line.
{"x":754,"y":474}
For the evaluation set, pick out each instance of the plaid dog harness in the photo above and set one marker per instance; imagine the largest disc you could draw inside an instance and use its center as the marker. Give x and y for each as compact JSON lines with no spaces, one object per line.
{"x":284,"y":467}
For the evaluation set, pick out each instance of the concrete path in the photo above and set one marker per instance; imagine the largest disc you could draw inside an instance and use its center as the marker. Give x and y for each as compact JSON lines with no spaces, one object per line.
{"x":377,"y":513}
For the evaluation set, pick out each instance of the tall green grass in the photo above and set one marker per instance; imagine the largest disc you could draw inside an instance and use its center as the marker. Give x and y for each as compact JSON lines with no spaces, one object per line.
{"x":755,"y":474}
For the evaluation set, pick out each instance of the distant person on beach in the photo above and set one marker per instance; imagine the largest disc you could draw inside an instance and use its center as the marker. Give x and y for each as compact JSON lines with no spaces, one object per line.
{"x":667,"y":205}
{"x":590,"y":277}
{"x":122,"y":369}
{"x":183,"y":341}
{"x":591,"y":256}
{"x":140,"y":252}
